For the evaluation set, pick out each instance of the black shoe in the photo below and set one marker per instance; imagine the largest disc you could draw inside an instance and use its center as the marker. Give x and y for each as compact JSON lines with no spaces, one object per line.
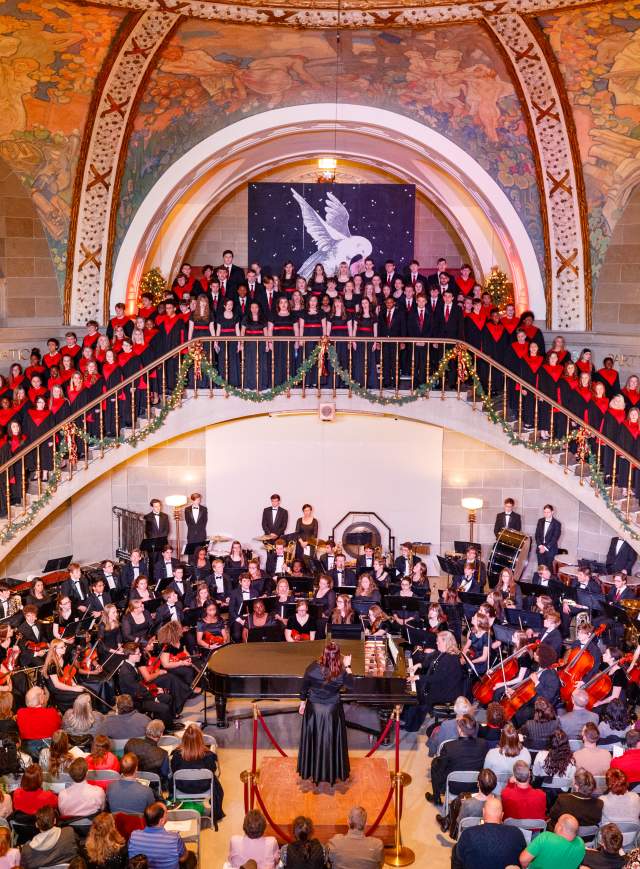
{"x":431,"y":798}
{"x":443,"y":822}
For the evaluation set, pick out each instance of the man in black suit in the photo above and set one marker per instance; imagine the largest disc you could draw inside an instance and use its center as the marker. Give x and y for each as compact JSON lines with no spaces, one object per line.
{"x":170,"y":610}
{"x":364,"y":564}
{"x":276,"y":559}
{"x":196,"y":516}
{"x":390,"y":273}
{"x":391,"y":325}
{"x":236,"y":599}
{"x":508,"y":518}
{"x":107,"y":573}
{"x":164,"y":567}
{"x":548,"y":532}
{"x":234,"y":272}
{"x":268,"y":298}
{"x":255,"y":289}
{"x":156,"y":523}
{"x":98,"y":597}
{"x":328,"y":560}
{"x":406,"y":561}
{"x":467,"y":580}
{"x":419,"y":326}
{"x":467,"y":752}
{"x":621,"y":557}
{"x":342,"y":575}
{"x":130,"y":682}
{"x":449,"y":324}
{"x":413,"y":274}
{"x":441,"y":269}
{"x":75,"y":588}
{"x":138,"y":566}
{"x":544,"y":578}
{"x":31,"y":631}
{"x":220,"y":585}
{"x":274,"y":518}
{"x":180,"y":584}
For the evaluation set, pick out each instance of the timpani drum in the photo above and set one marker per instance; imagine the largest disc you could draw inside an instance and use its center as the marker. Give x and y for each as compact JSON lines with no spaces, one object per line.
{"x":511,"y":550}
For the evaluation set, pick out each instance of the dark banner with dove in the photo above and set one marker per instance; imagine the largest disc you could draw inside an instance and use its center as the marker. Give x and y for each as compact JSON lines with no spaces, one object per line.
{"x":330,"y":224}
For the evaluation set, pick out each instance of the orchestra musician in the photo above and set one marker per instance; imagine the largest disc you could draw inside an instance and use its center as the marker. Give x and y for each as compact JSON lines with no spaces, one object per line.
{"x":508,"y":518}
{"x":76,"y":588}
{"x":245,"y":591}
{"x":132,"y":570}
{"x":621,"y":557}
{"x":327,"y":560}
{"x":438,"y":676}
{"x":276,"y":563}
{"x":131,"y":682}
{"x":365,"y":561}
{"x":405,"y":561}
{"x":341,"y":574}
{"x":300,"y":626}
{"x":275,"y":519}
{"x":547,"y":535}
{"x":196,"y":516}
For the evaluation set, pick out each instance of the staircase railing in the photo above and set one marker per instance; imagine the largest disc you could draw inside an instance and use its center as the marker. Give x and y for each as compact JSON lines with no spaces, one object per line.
{"x":386,"y":371}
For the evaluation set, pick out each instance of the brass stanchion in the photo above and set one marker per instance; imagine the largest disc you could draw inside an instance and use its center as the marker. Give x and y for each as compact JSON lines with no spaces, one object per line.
{"x":399,"y":855}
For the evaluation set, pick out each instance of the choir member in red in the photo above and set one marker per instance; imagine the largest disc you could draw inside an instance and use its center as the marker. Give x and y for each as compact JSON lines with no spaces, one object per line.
{"x":7,"y":411}
{"x":16,"y":376}
{"x":609,"y":376}
{"x":629,"y":440}
{"x":559,"y":347}
{"x":67,"y":369}
{"x":172,"y":329}
{"x":120,"y":319}
{"x":514,"y":360}
{"x":612,"y":429}
{"x":510,"y":321}
{"x":91,"y":338}
{"x":35,"y":366}
{"x":474,"y":323}
{"x":531,"y":330}
{"x":112,"y":376}
{"x":147,"y":309}
{"x":15,"y":440}
{"x":71,"y":346}
{"x":548,"y":382}
{"x":630,"y":391}
{"x":58,"y":404}
{"x":52,"y":356}
{"x":530,"y":369}
{"x":585,"y":363}
{"x":601,"y":404}
{"x":36,"y":388}
{"x":465,"y":279}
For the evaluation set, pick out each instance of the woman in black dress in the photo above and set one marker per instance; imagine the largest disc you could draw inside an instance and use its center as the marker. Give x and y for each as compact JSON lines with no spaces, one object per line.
{"x":323,"y":754}
{"x":306,"y":531}
{"x":311,"y":325}
{"x":338,"y":328}
{"x":256,"y":371}
{"x":282,"y":326}
{"x":365,"y":354}
{"x":228,"y":351}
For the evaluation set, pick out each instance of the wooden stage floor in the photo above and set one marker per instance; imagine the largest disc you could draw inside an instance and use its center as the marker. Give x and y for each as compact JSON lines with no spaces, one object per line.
{"x":286,"y":797}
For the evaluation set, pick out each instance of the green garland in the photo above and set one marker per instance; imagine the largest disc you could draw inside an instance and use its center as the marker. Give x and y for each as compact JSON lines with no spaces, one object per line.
{"x":195,"y":356}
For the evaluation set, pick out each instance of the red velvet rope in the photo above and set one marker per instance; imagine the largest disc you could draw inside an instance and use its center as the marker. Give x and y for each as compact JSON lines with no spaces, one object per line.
{"x":276,"y":829}
{"x":397,"y":744}
{"x":246,"y":797}
{"x":383,"y":736}
{"x":254,"y":752}
{"x":384,"y":808}
{"x":270,"y":735}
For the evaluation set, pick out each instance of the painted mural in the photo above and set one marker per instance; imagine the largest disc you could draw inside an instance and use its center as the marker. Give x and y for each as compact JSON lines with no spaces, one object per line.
{"x":451,"y":79}
{"x":50,"y":55}
{"x":598,"y":49}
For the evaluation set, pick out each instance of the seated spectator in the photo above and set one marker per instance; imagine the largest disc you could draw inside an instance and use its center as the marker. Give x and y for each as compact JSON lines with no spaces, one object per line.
{"x":509,"y":749}
{"x":8,"y":726}
{"x":254,"y":845}
{"x":629,"y":762}
{"x":596,"y":760}
{"x":353,"y":848}
{"x":465,"y":753}
{"x":607,"y":855}
{"x":562,"y":848}
{"x":151,"y":758}
{"x":519,"y":798}
{"x":36,"y":721}
{"x":619,"y":803}
{"x":104,"y":847}
{"x":490,"y":845}
{"x":615,"y":722}
{"x":193,"y":753}
{"x":304,"y":851}
{"x":468,"y":805}
{"x":9,"y":857}
{"x":126,"y":794}
{"x":491,"y":730}
{"x":6,"y":803}
{"x":81,"y":799}
{"x":82,"y":721}
{"x":556,"y":762}
{"x":163,"y":850}
{"x":52,"y":844}
{"x":126,"y":722}
{"x":537,"y":731}
{"x":30,"y":796}
{"x":448,"y":728}
{"x":580,"y":802}
{"x":573,"y":722}
{"x":102,"y":758}
{"x":58,"y":756}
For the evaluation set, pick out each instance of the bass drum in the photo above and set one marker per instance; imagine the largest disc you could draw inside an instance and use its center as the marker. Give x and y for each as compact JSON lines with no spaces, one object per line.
{"x":511,"y":550}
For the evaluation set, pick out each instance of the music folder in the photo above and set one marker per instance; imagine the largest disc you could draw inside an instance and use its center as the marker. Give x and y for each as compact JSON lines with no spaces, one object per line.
{"x":270,"y":605}
{"x":190,"y":548}
{"x":448,"y":565}
{"x":54,"y":564}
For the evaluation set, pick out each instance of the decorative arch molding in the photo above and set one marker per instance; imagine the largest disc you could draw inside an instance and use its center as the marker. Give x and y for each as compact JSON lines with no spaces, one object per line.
{"x":473,"y":188}
{"x":194,"y":415}
{"x":90,"y":260}
{"x":561,"y":182}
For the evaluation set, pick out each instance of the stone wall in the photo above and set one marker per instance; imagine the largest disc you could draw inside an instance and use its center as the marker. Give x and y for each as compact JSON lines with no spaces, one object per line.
{"x":28,"y":287}
{"x":617,"y":299}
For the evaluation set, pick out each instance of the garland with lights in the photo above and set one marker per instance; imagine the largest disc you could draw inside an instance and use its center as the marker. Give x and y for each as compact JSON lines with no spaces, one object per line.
{"x":195,"y":358}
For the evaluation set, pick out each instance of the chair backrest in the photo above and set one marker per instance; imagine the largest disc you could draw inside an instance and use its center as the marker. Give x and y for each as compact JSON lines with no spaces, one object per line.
{"x":463,"y":777}
{"x":186,"y":815}
{"x":529,"y":827}
{"x":576,"y":744}
{"x":168,"y":742}
{"x":193,"y":775}
{"x":117,"y":746}
{"x":443,"y":743}
{"x":558,"y":784}
{"x":588,"y":832}
{"x":102,"y":775}
{"x":464,"y":823}
{"x":601,"y":784}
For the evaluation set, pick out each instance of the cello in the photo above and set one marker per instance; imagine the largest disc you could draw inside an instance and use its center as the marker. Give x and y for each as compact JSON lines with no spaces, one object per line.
{"x":575,"y":666}
{"x":600,"y":685}
{"x":505,"y":671}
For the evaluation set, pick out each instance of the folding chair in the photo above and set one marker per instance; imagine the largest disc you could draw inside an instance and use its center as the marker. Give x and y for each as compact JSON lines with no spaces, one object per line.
{"x":117,"y":746}
{"x":530,"y":827}
{"x":468,"y":822}
{"x":576,"y":744}
{"x":154,"y":781}
{"x":181,"y":817}
{"x":169,"y":743}
{"x":630,"y":832}
{"x":588,"y":833}
{"x":462,"y":777}
{"x":601,"y":784}
{"x":190,"y":775}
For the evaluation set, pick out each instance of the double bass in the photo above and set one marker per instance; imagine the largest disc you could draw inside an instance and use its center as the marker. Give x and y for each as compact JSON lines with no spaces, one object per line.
{"x":505,"y":671}
{"x":575,"y":666}
{"x":600,"y":685}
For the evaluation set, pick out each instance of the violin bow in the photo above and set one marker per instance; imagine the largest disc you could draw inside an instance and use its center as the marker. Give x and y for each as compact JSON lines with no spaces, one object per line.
{"x":504,"y":675}
{"x":470,"y":663}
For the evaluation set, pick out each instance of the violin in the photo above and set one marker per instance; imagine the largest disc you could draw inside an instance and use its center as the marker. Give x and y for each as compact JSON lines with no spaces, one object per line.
{"x":179,"y":656}
{"x":69,"y":672}
{"x":36,"y":647}
{"x":211,"y":639}
{"x":505,"y":671}
{"x":522,"y":695}
{"x":154,"y":664}
{"x":574,"y":667}
{"x":9,"y":664}
{"x":298,"y":637}
{"x":600,"y":685}
{"x":633,"y":674}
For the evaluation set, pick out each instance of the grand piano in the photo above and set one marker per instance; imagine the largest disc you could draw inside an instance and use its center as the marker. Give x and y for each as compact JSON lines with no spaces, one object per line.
{"x":274,"y":670}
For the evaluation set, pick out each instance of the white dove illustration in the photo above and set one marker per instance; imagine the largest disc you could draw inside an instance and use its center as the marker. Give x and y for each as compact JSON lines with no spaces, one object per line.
{"x":332,"y":236}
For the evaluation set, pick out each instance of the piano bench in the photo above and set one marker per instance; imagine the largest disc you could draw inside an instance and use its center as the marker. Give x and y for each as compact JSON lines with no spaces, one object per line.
{"x":442,"y":711}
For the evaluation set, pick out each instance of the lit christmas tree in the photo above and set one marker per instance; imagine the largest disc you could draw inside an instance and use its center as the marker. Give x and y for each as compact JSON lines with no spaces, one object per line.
{"x":153,"y":284}
{"x":501,"y":290}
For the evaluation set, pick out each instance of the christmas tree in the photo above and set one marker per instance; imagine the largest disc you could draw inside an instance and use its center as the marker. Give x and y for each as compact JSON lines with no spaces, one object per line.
{"x":501,"y":290}
{"x":153,"y":284}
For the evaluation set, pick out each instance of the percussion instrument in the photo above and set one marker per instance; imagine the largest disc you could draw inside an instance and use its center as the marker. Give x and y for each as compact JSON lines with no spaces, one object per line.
{"x":220,"y":538}
{"x":263,"y":538}
{"x":421,"y":548}
{"x":511,"y":550}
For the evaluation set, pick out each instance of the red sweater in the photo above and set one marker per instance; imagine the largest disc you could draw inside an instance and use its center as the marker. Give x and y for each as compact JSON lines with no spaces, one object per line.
{"x":38,"y":722}
{"x":523,"y":802}
{"x":629,"y":763}
{"x":30,"y":801}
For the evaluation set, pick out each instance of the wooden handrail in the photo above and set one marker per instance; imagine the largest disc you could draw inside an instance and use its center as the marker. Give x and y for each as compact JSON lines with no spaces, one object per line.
{"x":434,"y":342}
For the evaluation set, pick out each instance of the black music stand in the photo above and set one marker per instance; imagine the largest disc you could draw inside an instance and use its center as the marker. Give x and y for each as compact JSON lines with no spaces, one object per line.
{"x":300,"y":584}
{"x":420,"y":637}
{"x":345,"y":632}
{"x":402,"y":606}
{"x":363,"y":605}
{"x":151,"y":606}
{"x":190,"y":548}
{"x":270,"y":605}
{"x":152,"y":546}
{"x":57,"y":564}
{"x":472,"y":597}
{"x":524,"y":618}
{"x":553,"y":590}
{"x":503,"y":633}
{"x":448,"y":565}
{"x":266,"y":634}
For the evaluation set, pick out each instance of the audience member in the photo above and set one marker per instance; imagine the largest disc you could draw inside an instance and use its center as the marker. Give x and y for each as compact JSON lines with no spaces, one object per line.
{"x":58,"y":755}
{"x":573,"y":722}
{"x":193,"y":753}
{"x":102,"y":758}
{"x":353,"y":849}
{"x":596,"y":760}
{"x":36,"y":721}
{"x":447,"y":729}
{"x":126,"y":722}
{"x":82,"y":720}
{"x":253,"y":845}
{"x":519,"y":798}
{"x":562,"y":848}
{"x":544,"y":723}
{"x":629,"y":762}
{"x":304,"y":852}
{"x":468,"y":805}
{"x":52,"y":844}
{"x":556,"y":761}
{"x":126,"y":794}
{"x":31,"y":796}
{"x":619,"y":803}
{"x":509,"y":750}
{"x":579,"y":802}
{"x":81,"y":799}
{"x":151,"y":758}
{"x":490,"y":845}
{"x":467,"y":752}
{"x":163,"y":849}
{"x":9,"y":857}
{"x":607,"y":855}
{"x":104,"y":847}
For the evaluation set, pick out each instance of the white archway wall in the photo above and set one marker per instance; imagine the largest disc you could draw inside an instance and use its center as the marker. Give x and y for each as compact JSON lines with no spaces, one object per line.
{"x":83,"y":525}
{"x":471,"y":192}
{"x":227,"y":224}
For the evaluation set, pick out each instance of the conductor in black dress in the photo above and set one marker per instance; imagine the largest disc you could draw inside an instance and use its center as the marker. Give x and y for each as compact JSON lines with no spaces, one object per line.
{"x":196,"y":517}
{"x":275,"y":518}
{"x":323,"y":754}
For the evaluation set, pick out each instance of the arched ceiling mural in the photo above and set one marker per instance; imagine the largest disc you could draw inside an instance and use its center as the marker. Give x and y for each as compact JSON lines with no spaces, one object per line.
{"x":542,"y":93}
